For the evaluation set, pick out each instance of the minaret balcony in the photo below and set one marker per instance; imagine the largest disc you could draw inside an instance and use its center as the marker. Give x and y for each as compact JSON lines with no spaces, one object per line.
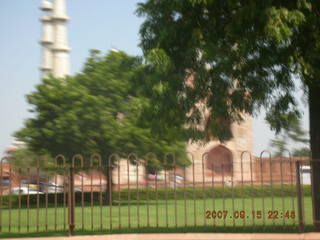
{"x":62,"y":18}
{"x":46,"y":19}
{"x":45,"y":68}
{"x":46,"y":42}
{"x":60,"y":49}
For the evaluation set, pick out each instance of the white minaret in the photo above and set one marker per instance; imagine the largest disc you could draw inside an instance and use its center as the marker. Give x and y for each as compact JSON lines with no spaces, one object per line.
{"x":47,"y":39}
{"x":56,"y":59}
{"x":60,"y":50}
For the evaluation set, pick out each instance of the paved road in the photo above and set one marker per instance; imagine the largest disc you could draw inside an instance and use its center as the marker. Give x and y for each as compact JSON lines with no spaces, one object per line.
{"x":191,"y":236}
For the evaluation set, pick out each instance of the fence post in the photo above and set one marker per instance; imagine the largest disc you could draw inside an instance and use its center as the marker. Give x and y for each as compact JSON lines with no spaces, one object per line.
{"x":71,"y":201}
{"x":299,"y":197}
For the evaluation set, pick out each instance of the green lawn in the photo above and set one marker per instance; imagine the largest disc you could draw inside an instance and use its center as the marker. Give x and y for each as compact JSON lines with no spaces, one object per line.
{"x":178,"y":213}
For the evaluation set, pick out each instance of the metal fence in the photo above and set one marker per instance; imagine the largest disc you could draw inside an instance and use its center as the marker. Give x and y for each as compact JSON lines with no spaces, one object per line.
{"x":93,"y":194}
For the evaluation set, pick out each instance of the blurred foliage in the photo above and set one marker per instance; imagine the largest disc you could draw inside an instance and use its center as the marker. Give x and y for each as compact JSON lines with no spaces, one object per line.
{"x":24,"y":161}
{"x":232,"y":56}
{"x":97,"y":111}
{"x":294,"y":133}
{"x":302,"y":152}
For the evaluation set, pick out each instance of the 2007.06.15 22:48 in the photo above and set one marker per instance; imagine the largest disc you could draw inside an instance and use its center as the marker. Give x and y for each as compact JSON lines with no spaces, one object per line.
{"x":257,"y":214}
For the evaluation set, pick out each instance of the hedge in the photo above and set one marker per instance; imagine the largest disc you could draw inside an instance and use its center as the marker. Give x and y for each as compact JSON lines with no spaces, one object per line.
{"x":152,"y":194}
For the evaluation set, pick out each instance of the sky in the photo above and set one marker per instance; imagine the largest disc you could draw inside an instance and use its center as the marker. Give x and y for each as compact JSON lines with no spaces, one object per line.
{"x":95,"y":24}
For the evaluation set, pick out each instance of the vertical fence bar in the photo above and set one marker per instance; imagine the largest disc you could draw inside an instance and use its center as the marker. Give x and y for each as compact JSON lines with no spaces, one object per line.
{"x":1,"y":193}
{"x":38,"y":189}
{"x":66,"y":189}
{"x":175,"y":191}
{"x":110,"y":190}
{"x":80,"y":167}
{"x":232,"y":197}
{"x":110,"y":184}
{"x":203,"y":188}
{"x":272,"y":193}
{"x":252,"y":198}
{"x":262,"y":190}
{"x":129,"y":214}
{"x":184,"y":196}
{"x":71,"y":200}
{"x":282,"y":192}
{"x":165,"y":190}
{"x":91,"y":193}
{"x":119,"y":193}
{"x":299,"y":198}
{"x":100,"y":196}
{"x":213,"y":193}
{"x":46,"y":196}
{"x":271,"y":186}
{"x":28,"y":203}
{"x":147,"y":190}
{"x":55,"y":192}
{"x":242,"y":186}
{"x":10,"y":197}
{"x":184,"y":190}
{"x":98,"y":157}
{"x":135,"y":160}
{"x":137,"y":189}
{"x":157,"y":208}
{"x":73,"y":197}
{"x":194,"y":196}
{"x":293,"y":188}
{"x":19,"y":201}
{"x":223,"y":192}
{"x":82,"y":200}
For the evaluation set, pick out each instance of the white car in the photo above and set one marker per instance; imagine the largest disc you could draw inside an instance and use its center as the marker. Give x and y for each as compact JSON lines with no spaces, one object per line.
{"x":24,"y":190}
{"x":306,"y":175}
{"x":54,"y":188}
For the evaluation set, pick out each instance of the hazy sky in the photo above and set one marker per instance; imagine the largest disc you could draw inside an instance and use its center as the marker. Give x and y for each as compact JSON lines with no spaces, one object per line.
{"x":95,"y":24}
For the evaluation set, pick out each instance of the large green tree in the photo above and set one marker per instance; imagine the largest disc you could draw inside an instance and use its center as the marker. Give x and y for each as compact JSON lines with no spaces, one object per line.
{"x":235,"y":57}
{"x":96,"y":111}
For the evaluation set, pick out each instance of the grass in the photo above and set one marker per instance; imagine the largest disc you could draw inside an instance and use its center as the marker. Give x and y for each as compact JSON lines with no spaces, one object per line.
{"x":161,"y":216}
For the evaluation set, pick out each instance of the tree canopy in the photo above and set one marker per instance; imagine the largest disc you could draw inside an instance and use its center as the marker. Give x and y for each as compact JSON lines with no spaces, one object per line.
{"x":96,"y":111}
{"x":235,"y":57}
{"x":240,"y":55}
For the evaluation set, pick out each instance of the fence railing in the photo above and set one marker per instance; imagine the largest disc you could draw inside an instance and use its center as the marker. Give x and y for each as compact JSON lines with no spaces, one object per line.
{"x":91,"y":194}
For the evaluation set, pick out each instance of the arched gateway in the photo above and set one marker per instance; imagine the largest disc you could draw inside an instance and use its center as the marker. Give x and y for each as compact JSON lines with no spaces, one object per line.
{"x":220,"y":161}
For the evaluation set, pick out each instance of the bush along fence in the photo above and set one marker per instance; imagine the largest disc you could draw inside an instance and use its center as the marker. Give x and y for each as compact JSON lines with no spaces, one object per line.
{"x":131,"y":193}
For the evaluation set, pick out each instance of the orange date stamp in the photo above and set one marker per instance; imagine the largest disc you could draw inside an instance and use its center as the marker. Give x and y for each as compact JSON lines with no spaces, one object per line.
{"x":254,"y":214}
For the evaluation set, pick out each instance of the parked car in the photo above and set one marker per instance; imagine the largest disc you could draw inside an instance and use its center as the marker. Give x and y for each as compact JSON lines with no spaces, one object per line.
{"x":306,"y":175}
{"x":24,"y":190}
{"x":54,"y":188}
{"x":34,"y":185}
{"x":77,"y":189}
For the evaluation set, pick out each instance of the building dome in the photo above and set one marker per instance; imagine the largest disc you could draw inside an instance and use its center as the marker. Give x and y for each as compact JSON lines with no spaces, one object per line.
{"x":46,"y":6}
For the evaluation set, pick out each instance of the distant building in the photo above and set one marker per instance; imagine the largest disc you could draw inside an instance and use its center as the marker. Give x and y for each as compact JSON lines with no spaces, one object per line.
{"x":14,"y":147}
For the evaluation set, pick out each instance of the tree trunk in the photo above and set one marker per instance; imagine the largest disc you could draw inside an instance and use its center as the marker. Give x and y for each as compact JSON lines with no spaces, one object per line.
{"x":314,"y":109}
